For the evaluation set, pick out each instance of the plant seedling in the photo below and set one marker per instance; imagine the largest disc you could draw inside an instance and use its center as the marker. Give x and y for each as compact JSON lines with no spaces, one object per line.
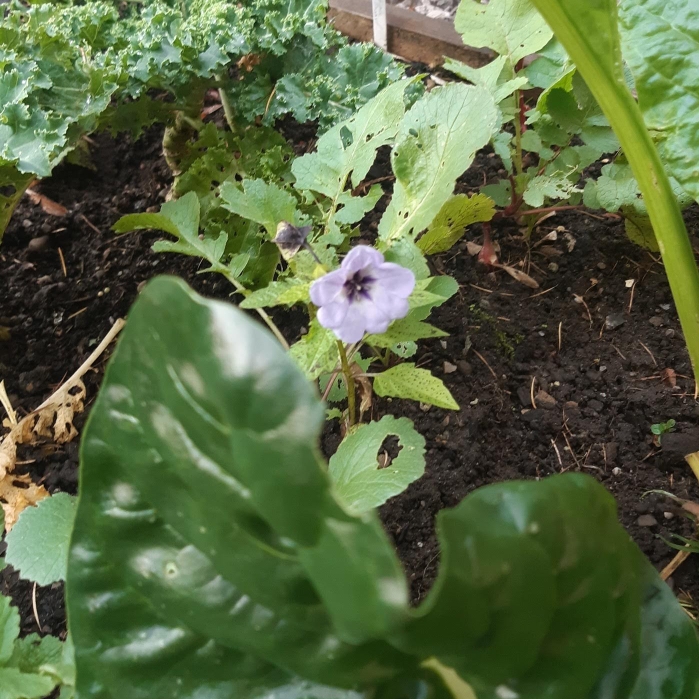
{"x":660,"y":428}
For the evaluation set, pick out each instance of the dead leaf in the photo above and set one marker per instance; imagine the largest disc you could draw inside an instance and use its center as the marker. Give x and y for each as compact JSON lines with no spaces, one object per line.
{"x":366,"y":392}
{"x":16,"y":494}
{"x":520,"y":276}
{"x":49,"y":206}
{"x":54,"y":420}
{"x":249,"y":61}
{"x":691,"y":507}
{"x":473,"y":248}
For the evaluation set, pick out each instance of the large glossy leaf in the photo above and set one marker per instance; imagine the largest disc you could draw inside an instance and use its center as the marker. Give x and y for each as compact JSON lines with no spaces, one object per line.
{"x":660,"y":45}
{"x":210,"y":558}
{"x":214,"y":507}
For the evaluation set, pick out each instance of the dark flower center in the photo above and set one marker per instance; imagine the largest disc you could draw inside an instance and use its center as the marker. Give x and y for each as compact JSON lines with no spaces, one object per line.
{"x":358,"y":286}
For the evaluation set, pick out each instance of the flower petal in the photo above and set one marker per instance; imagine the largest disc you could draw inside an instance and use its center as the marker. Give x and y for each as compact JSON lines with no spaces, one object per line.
{"x":400,"y":281}
{"x":353,"y":326}
{"x":332,"y":315}
{"x":387,"y":304}
{"x":361,"y":257}
{"x":326,"y":289}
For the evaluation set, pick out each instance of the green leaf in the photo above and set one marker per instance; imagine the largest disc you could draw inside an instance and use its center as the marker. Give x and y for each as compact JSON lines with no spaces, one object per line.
{"x":358,"y":480}
{"x":179,"y":218}
{"x":437,"y":142}
{"x":281,"y":293}
{"x":450,"y":223}
{"x":262,"y":202}
{"x":489,"y":76}
{"x":512,"y":28}
{"x":431,"y":293}
{"x":660,"y":45}
{"x":543,"y":187}
{"x":407,"y":381}
{"x":639,"y":230}
{"x":346,"y":152}
{"x":316,"y":352}
{"x":37,"y":546}
{"x":405,"y":330}
{"x":9,"y":629}
{"x":551,"y":66}
{"x":32,"y":652}
{"x":244,"y":563}
{"x":18,"y":685}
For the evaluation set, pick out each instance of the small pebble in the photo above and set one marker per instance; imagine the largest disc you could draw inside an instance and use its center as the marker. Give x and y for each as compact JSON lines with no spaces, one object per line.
{"x":647,"y":521}
{"x":37,"y":244}
{"x":449,"y":368}
{"x":668,"y":515}
{"x":616,"y":471}
{"x":656,"y":321}
{"x":670,"y":332}
{"x":545,"y":400}
{"x":464,"y":367}
{"x":614,"y":321}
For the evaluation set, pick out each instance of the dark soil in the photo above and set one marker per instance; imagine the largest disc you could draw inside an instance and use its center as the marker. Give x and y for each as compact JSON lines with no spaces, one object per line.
{"x":602,"y":388}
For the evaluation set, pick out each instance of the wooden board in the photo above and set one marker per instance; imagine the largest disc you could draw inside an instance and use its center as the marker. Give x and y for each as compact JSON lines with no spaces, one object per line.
{"x":410,"y":35}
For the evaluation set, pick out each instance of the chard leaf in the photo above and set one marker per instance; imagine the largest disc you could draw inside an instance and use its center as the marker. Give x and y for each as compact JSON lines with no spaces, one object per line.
{"x":660,"y":45}
{"x":437,"y":142}
{"x":244,"y":577}
{"x":512,"y":28}
{"x":37,"y":546}
{"x":407,"y":381}
{"x":358,"y":481}
{"x":451,"y":222}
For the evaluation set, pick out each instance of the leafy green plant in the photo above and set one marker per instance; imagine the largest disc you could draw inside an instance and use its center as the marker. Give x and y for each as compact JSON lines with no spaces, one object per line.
{"x":317,"y":203}
{"x":37,"y":546}
{"x":658,"y":429}
{"x":590,"y":35}
{"x":31,"y":667}
{"x":71,"y":68}
{"x":211,"y":556}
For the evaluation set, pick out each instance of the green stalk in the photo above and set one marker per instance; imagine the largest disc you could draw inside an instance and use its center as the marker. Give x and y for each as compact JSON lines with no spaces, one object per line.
{"x":349,"y":382}
{"x":624,"y":115}
{"x":518,"y":161}
{"x":8,"y":204}
{"x":226,"y":104}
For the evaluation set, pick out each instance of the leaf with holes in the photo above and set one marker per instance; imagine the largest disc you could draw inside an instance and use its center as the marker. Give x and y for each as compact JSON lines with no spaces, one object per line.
{"x":37,"y":546}
{"x":358,"y":480}
{"x":407,"y":381}
{"x":451,"y":222}
{"x":436,"y":143}
{"x":316,"y":352}
{"x":346,"y":152}
{"x":512,"y":28}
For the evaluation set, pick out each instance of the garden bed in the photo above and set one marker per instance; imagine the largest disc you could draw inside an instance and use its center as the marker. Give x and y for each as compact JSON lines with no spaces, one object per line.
{"x":599,"y":369}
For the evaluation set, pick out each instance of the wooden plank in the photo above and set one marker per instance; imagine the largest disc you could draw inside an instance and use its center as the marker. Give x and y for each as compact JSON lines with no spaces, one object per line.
{"x":410,"y":35}
{"x":380,"y":23}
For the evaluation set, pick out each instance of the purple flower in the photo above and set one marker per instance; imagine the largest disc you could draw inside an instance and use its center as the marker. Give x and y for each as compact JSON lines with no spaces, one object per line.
{"x":364,"y":296}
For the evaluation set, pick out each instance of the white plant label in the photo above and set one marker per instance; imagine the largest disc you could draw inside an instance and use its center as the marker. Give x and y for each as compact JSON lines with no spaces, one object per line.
{"x":380,"y":24}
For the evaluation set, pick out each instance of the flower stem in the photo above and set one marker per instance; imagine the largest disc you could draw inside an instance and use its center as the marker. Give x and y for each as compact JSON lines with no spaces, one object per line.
{"x":349,"y":382}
